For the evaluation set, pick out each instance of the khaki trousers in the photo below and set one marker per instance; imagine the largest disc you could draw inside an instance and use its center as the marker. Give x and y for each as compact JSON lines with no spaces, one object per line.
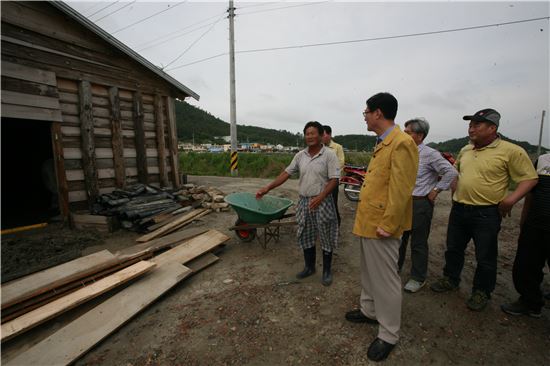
{"x":381,"y":285}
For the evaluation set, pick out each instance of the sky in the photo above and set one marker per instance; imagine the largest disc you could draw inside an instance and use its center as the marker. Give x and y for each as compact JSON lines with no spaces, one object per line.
{"x":440,"y":77}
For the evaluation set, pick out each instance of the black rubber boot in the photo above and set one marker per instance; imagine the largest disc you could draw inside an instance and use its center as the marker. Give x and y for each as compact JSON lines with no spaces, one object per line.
{"x":327,"y":264}
{"x":309,"y":260}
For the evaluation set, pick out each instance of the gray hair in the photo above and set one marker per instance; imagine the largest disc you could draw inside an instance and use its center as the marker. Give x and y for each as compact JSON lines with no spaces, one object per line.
{"x":419,"y":125}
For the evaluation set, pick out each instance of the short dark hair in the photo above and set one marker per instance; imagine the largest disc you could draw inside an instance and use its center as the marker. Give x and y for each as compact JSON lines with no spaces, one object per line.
{"x":385,"y":102}
{"x":316,"y":125}
{"x":327,"y":129}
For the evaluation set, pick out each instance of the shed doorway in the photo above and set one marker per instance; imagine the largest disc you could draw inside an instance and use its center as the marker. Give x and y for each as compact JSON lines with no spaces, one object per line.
{"x":29,"y":185}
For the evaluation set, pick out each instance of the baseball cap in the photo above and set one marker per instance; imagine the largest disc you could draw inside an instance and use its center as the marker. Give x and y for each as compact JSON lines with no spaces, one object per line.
{"x":484,"y":115}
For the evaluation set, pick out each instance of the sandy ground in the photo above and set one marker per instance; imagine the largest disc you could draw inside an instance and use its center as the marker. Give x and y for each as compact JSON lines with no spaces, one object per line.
{"x":247,"y":309}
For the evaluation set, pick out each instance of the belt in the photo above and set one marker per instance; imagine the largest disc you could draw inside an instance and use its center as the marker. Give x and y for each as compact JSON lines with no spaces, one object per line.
{"x":472,"y":206}
{"x":420,"y":197}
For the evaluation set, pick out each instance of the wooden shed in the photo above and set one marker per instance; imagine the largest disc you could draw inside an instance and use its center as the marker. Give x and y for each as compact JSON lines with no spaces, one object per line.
{"x":80,"y":100}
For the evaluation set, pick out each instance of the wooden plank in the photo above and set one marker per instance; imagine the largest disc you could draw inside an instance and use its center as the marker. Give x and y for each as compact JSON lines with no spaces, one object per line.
{"x":192,"y":249}
{"x":22,"y":72}
{"x":72,"y":300}
{"x":34,"y":113}
{"x":88,"y":143}
{"x":200,"y":263}
{"x":155,"y":245}
{"x":173,"y":141}
{"x":28,"y":87}
{"x":116,"y":139}
{"x":168,"y":227}
{"x":60,"y":173}
{"x":24,"y":288}
{"x":11,"y":97}
{"x":78,"y":174}
{"x":79,"y":336}
{"x":161,"y":145}
{"x":141,"y":154}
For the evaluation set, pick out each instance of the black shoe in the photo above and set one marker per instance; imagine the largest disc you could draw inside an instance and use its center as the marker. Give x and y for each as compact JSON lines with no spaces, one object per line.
{"x":309,"y":263}
{"x":519,"y":308}
{"x":357,"y":316}
{"x":327,"y":273}
{"x":379,"y":350}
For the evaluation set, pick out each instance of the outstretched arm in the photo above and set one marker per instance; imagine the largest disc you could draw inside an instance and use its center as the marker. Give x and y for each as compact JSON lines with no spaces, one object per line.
{"x":283,"y":177}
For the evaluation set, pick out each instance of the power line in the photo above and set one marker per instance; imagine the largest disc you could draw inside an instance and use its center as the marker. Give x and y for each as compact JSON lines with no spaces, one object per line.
{"x":149,"y":17}
{"x":103,"y":8}
{"x":114,"y":11}
{"x":194,"y":42}
{"x":282,"y":7}
{"x":152,"y":41}
{"x":175,"y":37}
{"x":365,"y":40}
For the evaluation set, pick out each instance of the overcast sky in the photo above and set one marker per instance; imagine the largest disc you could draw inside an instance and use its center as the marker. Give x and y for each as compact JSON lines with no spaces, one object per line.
{"x":440,"y":77}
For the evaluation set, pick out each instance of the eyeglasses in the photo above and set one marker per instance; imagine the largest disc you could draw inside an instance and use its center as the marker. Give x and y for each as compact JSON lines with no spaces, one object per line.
{"x":365,"y":113}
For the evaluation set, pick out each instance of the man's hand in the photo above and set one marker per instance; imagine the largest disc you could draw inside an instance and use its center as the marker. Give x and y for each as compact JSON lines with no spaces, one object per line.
{"x":432,"y":196}
{"x":382,"y":233}
{"x":315,"y":202}
{"x":505,"y":206}
{"x":261,"y":192}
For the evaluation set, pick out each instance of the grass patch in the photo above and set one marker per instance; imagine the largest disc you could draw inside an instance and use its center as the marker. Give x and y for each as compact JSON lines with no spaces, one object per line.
{"x":253,"y":165}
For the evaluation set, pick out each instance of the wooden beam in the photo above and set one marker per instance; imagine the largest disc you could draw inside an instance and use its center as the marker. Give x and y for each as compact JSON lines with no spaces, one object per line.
{"x":88,"y":142}
{"x":40,"y":315}
{"x":25,"y":112}
{"x":60,"y":172}
{"x":173,"y":141}
{"x":141,"y":156}
{"x":76,"y":338}
{"x":117,"y":138}
{"x":18,"y":71}
{"x":168,"y":228}
{"x":35,"y":284}
{"x":161,"y":144}
{"x":11,"y":97}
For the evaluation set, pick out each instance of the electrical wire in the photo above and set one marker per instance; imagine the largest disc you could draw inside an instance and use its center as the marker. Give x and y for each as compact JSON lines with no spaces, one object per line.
{"x":149,"y":17}
{"x":175,"y":37}
{"x":103,"y":8}
{"x":152,"y":41}
{"x":282,"y":7}
{"x":365,"y":39}
{"x":115,"y":11}
{"x":194,"y":43}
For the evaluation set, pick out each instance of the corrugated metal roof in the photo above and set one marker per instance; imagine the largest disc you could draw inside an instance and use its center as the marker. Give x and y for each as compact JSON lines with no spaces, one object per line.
{"x":85,"y":22}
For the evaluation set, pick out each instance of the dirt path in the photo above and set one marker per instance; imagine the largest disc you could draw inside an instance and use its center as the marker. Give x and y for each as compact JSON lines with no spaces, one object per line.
{"x":248,"y":310}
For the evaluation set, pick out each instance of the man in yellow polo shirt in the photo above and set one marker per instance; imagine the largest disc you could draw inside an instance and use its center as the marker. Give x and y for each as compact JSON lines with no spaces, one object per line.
{"x":480,"y":201}
{"x":339,"y":151}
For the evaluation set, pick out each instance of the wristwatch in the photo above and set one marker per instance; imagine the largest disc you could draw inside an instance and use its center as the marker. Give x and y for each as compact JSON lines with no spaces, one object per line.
{"x":436,"y":190}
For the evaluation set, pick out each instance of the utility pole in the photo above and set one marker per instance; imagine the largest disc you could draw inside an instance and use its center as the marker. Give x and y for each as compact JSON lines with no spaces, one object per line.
{"x":540,"y":133}
{"x":232,"y":97}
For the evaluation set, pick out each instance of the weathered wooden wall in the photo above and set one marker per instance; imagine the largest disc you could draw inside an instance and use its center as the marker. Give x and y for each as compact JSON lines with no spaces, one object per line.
{"x":113,"y":120}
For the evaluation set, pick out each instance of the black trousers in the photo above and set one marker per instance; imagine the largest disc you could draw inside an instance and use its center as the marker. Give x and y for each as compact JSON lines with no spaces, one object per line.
{"x":532,"y":255}
{"x":335,"y":199}
{"x":482,"y":224}
{"x":421,"y":223}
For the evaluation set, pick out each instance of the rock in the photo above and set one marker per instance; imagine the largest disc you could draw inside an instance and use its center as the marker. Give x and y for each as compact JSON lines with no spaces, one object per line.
{"x":228,"y":281}
{"x":206,"y":205}
{"x":198,"y":196}
{"x":188,"y":186}
{"x":218,"y":198}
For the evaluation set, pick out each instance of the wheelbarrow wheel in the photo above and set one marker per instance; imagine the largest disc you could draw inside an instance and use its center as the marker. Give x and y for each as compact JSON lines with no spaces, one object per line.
{"x":244,"y":235}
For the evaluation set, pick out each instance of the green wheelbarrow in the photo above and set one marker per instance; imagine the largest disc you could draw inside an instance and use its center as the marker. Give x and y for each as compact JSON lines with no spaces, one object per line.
{"x":253,"y":214}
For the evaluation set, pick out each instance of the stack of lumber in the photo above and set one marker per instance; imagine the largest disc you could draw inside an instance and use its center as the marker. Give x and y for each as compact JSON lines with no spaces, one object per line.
{"x":140,"y":282}
{"x":140,"y":206}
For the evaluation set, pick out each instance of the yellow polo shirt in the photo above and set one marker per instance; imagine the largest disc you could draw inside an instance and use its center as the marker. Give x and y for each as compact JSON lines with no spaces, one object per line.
{"x":484,"y":174}
{"x":339,"y":151}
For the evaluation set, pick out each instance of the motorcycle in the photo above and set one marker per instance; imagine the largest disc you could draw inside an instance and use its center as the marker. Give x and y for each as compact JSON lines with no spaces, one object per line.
{"x":352,"y":181}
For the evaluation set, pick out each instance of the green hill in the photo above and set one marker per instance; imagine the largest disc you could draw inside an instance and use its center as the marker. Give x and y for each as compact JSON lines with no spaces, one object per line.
{"x":205,"y":127}
{"x":191,"y":121}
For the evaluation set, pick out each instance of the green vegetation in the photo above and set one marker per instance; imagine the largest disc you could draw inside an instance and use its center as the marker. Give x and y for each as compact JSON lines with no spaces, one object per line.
{"x":356,"y":142}
{"x":254,"y":165}
{"x":453,"y":146}
{"x":191,"y":120}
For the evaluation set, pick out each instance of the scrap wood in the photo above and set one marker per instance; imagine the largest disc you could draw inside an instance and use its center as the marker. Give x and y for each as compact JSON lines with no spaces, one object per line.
{"x":76,"y":338}
{"x":24,"y":288}
{"x":65,"y":303}
{"x":170,"y":226}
